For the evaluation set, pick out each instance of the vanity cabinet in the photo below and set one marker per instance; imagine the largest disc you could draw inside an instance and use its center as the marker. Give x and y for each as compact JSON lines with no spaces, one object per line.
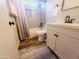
{"x":62,"y":42}
{"x":67,"y":47}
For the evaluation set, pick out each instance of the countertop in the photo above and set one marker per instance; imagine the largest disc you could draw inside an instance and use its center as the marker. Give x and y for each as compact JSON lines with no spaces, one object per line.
{"x":67,"y":25}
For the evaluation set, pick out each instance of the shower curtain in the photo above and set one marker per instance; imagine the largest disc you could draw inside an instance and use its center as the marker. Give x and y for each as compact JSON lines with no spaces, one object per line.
{"x":23,"y":26}
{"x":20,"y":17}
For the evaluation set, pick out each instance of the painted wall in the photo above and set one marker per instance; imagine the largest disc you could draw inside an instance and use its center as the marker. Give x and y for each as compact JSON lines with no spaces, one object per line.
{"x":56,"y":15}
{"x":43,"y":12}
{"x":34,"y":19}
{"x":74,"y":13}
{"x":33,"y":14}
{"x":38,"y":14}
{"x":52,"y":10}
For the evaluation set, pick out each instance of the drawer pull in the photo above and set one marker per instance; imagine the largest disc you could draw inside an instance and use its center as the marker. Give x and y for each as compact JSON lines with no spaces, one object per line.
{"x":56,"y":35}
{"x":11,"y":23}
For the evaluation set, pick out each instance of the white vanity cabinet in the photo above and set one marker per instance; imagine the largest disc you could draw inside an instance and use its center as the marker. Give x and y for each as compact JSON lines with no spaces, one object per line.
{"x":63,"y":42}
{"x":67,"y":47}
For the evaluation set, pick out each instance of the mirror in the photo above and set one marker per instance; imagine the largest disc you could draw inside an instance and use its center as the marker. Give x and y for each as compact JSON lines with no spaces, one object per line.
{"x":70,"y":4}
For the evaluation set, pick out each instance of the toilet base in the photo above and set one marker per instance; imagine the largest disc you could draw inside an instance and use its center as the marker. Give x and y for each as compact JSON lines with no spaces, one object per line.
{"x":42,"y":37}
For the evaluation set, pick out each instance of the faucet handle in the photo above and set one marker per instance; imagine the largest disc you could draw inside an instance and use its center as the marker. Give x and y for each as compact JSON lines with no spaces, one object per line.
{"x":71,"y":21}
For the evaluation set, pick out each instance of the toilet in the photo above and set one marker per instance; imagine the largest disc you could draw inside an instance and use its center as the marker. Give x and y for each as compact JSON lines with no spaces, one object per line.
{"x":42,"y":34}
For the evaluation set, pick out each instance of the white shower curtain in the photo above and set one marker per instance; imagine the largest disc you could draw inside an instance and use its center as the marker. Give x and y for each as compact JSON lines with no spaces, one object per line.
{"x":23,"y":26}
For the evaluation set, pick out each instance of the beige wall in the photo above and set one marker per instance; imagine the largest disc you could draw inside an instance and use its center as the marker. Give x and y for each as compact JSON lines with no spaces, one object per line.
{"x":52,"y":10}
{"x":59,"y":17}
{"x":34,"y":19}
{"x":74,"y":13}
{"x":43,"y":15}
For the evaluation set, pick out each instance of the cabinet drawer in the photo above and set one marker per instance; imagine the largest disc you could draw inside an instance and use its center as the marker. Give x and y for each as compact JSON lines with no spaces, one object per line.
{"x":67,"y":31}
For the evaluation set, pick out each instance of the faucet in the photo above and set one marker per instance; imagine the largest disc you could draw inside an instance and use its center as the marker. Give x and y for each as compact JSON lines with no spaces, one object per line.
{"x":68,"y":19}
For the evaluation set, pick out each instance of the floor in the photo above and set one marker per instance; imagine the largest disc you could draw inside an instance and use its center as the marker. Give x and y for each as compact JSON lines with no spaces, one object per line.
{"x":32,"y":40}
{"x":33,"y":49}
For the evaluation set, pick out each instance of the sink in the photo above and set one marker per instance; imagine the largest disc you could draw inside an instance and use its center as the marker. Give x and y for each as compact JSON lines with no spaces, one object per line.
{"x":73,"y":26}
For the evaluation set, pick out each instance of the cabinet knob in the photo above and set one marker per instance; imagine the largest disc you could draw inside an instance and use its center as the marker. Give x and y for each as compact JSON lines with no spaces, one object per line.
{"x":11,"y":23}
{"x":56,"y":35}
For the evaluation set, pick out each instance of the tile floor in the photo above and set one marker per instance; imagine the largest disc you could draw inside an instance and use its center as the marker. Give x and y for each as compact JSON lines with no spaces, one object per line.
{"x":37,"y":52}
{"x":33,"y":49}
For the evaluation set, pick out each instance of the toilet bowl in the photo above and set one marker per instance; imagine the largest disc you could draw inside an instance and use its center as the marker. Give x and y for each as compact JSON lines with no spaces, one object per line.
{"x":42,"y":34}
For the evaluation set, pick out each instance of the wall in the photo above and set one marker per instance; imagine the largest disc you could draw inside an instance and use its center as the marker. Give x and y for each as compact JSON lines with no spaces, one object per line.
{"x":74,"y":13}
{"x":43,"y":12}
{"x":52,"y":10}
{"x":58,"y":14}
{"x":34,"y":19}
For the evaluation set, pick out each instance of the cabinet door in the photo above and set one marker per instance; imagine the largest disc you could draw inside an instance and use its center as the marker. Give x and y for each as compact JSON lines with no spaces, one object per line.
{"x":67,"y":47}
{"x":51,"y":39}
{"x":8,"y":49}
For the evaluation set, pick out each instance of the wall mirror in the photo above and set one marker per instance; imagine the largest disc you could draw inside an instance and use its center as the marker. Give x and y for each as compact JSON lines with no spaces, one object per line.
{"x":70,"y":4}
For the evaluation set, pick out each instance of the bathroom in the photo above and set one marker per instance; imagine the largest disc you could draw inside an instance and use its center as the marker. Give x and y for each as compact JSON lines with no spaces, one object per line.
{"x":36,"y":21}
{"x":39,"y":29}
{"x":42,"y":21}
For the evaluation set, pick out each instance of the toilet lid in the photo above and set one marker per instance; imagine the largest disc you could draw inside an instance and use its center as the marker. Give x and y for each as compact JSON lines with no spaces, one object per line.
{"x":41,"y":32}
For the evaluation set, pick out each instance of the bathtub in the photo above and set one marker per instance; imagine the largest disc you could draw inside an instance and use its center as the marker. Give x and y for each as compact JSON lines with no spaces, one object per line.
{"x":37,"y":31}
